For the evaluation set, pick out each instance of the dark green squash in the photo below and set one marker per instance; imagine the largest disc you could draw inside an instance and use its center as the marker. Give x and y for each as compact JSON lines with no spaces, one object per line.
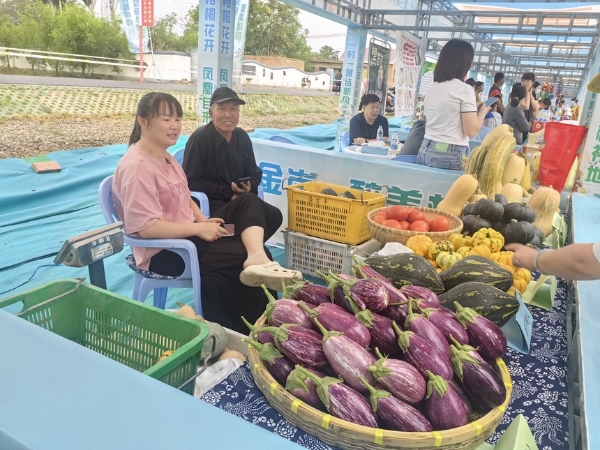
{"x":500,"y":199}
{"x":487,"y":300}
{"x":329,"y":191}
{"x":518,"y":212}
{"x":476,"y":268}
{"x":471,"y":224}
{"x":536,"y":242}
{"x":498,"y":225}
{"x":469,"y":209}
{"x":489,"y":210}
{"x":520,"y":232}
{"x":407,"y":269}
{"x":538,"y":233}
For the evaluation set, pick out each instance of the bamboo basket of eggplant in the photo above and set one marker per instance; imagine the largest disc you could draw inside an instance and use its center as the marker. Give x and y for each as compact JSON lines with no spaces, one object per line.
{"x":321,"y":364}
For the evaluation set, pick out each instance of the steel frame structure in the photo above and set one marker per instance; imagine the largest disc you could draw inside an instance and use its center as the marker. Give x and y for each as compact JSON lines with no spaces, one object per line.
{"x":553,"y":44}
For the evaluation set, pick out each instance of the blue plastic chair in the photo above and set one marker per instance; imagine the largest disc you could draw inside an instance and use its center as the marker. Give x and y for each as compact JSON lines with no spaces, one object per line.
{"x":145,"y":281}
{"x":282,"y":139}
{"x":178,"y":155}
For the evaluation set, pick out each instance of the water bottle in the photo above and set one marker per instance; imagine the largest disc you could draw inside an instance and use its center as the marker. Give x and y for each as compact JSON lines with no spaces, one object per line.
{"x":380,"y":133}
{"x":341,"y":143}
{"x":394,"y":144}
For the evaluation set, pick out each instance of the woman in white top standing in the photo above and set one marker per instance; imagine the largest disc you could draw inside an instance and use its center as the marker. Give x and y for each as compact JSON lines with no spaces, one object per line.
{"x":450,"y":109}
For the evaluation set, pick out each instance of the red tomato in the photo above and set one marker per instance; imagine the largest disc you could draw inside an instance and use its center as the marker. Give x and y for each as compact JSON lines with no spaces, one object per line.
{"x":405,"y":225}
{"x":398,"y":213}
{"x":440,"y":223}
{"x":414,"y":215}
{"x":419,"y":225}
{"x":392,"y":223}
{"x":379,"y":218}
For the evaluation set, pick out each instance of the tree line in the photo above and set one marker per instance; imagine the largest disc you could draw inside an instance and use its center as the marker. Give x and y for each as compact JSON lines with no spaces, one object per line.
{"x":70,"y":26}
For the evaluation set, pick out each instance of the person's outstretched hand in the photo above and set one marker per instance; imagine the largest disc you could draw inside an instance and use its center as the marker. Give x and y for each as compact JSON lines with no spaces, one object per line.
{"x":523,"y":255}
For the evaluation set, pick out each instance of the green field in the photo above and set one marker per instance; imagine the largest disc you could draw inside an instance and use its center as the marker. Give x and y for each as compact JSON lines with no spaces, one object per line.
{"x":49,"y":101}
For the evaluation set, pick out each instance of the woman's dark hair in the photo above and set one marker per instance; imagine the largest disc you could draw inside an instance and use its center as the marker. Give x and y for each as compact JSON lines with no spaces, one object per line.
{"x":151,"y":105}
{"x":454,"y":61}
{"x":470,"y":82}
{"x":536,"y":84}
{"x":517,"y":94}
{"x":528,"y":76}
{"x":368,"y":98}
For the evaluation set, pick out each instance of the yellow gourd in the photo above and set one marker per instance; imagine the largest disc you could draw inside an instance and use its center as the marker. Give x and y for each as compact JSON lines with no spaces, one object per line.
{"x":447,"y":259}
{"x":502,"y":257}
{"x":544,"y":202}
{"x":513,"y":169}
{"x":419,"y":244}
{"x":476,"y":196}
{"x":458,"y":194}
{"x":481,"y":250}
{"x":489,"y":238}
{"x":524,"y":274}
{"x":434,"y":263}
{"x":186,"y":311}
{"x":458,"y":240}
{"x":526,"y":180}
{"x":490,"y":181}
{"x":513,"y":192}
{"x":519,"y":284}
{"x":440,"y":246}
{"x":511,"y":269}
{"x":463,"y":251}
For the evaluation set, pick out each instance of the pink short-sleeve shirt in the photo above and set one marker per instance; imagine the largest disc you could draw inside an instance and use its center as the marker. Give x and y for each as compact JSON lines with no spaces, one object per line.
{"x":146,"y":190}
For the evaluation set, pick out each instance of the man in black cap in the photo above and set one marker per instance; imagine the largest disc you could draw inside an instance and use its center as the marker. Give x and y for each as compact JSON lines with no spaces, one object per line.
{"x":219,"y":154}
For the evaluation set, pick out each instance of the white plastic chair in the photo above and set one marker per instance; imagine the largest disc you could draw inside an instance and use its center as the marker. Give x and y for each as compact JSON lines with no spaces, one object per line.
{"x":144,"y":281}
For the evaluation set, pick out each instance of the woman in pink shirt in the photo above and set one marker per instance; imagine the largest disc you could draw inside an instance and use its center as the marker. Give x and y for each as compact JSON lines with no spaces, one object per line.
{"x":151,"y":195}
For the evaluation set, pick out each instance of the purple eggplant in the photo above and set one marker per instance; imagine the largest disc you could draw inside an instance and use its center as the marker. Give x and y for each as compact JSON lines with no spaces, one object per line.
{"x":369,"y":292}
{"x":462,"y":394}
{"x":483,"y":333}
{"x":420,"y":292}
{"x":418,"y":323}
{"x":481,"y":383}
{"x":285,"y":311}
{"x":278,"y":365}
{"x":303,"y":387}
{"x":383,"y":336}
{"x":342,"y":401}
{"x":363,"y":270}
{"x":447,"y":324}
{"x":443,"y":405}
{"x":422,"y":354}
{"x":400,"y":378}
{"x":335,"y":318}
{"x":394,"y":413}
{"x":258,"y":332}
{"x":302,"y":345}
{"x":349,"y":359}
{"x":397,"y":305}
{"x":311,"y":293}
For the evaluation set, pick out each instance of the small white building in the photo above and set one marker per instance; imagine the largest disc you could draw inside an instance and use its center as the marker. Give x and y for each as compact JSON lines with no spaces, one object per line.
{"x":256,"y":74}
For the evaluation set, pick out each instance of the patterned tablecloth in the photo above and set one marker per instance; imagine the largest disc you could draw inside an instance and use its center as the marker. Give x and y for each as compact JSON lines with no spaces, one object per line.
{"x":539,"y":388}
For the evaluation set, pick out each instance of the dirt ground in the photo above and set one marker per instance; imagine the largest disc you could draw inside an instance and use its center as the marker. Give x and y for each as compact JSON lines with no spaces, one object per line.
{"x":24,"y":138}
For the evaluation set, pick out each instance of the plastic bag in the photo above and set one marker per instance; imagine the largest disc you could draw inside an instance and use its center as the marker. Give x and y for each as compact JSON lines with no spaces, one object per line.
{"x":214,"y":374}
{"x":393,"y":248}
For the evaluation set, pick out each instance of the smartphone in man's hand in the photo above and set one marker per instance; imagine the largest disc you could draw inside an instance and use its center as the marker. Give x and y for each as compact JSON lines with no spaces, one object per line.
{"x":242,"y":180}
{"x":490,"y":101}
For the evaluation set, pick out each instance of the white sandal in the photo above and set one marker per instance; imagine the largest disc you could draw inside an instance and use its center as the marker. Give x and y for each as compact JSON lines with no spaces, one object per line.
{"x":270,"y":274}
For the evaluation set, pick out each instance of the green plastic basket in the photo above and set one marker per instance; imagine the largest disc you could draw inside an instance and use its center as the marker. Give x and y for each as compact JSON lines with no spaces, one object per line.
{"x":126,"y":331}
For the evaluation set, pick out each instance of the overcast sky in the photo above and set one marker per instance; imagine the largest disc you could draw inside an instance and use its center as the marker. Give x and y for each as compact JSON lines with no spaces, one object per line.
{"x":320,"y":31}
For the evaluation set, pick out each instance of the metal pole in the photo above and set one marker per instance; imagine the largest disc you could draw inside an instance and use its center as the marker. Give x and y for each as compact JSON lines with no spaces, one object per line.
{"x":141,"y":54}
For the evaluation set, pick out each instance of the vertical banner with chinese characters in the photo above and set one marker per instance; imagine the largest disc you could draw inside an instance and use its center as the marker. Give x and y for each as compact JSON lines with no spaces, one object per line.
{"x":354,"y":55}
{"x":215,"y":51}
{"x":587,"y":179}
{"x":131,"y":17}
{"x":147,"y":13}
{"x":408,"y":67}
{"x":239,"y":42}
{"x":379,"y":65}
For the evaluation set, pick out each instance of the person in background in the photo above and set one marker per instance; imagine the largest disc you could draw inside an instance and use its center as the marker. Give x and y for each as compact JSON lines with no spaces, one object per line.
{"x":470,"y":82}
{"x":576,"y":109}
{"x":493,"y":117}
{"x":573,"y":262}
{"x":529,"y":104}
{"x":364,"y":125}
{"x":514,"y":116}
{"x":478,"y":91}
{"x":495,"y":91}
{"x":452,"y":115}
{"x":151,"y":195}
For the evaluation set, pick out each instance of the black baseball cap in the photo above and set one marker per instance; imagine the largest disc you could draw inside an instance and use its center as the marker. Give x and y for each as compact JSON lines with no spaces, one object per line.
{"x":225,"y":94}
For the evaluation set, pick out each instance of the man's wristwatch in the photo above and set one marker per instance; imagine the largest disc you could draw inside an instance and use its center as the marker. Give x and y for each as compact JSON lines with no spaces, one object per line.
{"x":535,"y":260}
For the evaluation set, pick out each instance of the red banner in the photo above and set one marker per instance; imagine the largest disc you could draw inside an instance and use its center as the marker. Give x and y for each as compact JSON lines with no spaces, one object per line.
{"x":147,"y":13}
